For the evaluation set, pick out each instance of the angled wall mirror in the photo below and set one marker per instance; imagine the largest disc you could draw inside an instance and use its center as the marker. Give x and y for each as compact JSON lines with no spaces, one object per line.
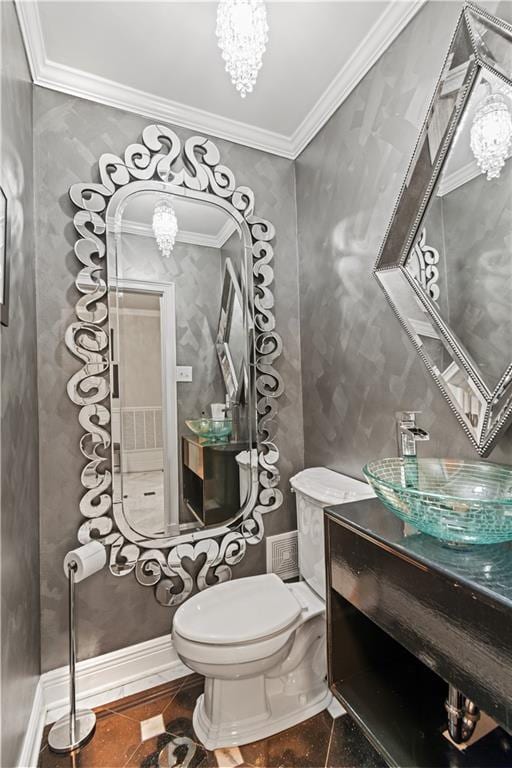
{"x":231,"y":336}
{"x":446,"y":263}
{"x":177,"y":392}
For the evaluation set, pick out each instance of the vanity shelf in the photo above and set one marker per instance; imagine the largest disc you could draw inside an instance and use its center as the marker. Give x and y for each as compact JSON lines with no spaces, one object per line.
{"x":211,"y":485}
{"x":405,"y":615}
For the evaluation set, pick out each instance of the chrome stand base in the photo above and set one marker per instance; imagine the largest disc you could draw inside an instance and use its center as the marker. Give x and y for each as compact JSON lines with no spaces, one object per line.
{"x":60,"y":737}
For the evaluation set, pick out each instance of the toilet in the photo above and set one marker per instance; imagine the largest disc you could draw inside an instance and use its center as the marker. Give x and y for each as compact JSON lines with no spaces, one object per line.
{"x":260,"y":643}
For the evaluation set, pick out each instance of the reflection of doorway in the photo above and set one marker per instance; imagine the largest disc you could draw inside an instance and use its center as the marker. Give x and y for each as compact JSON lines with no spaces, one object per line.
{"x":145,"y":410}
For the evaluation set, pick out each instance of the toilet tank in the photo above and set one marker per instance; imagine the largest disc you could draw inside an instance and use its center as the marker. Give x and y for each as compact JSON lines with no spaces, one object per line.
{"x":315,"y":489}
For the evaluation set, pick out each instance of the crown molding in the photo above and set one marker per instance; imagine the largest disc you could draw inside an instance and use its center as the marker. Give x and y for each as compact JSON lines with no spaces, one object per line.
{"x":183,"y":236}
{"x":458,"y":178}
{"x":59,"y":77}
{"x":75,"y":82}
{"x":32,"y":33}
{"x":228,"y":228}
{"x":378,"y":39}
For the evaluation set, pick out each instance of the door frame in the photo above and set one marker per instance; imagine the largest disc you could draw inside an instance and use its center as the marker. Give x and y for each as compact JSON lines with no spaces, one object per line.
{"x":167,"y":294}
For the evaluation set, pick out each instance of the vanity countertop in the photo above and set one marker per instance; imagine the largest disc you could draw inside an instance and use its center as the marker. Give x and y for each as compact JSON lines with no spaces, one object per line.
{"x":484,"y":568}
{"x":403,"y":607}
{"x":229,"y":446}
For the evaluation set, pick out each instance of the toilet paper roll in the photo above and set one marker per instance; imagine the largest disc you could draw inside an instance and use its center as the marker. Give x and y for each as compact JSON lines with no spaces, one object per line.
{"x":90,"y":558}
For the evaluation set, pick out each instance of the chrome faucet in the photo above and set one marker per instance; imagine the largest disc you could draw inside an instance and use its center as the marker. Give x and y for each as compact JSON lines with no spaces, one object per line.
{"x":408,"y":433}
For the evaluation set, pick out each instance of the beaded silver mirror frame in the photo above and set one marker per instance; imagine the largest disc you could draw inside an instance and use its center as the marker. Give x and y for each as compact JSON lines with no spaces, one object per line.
{"x":195,"y":168}
{"x":481,"y":43}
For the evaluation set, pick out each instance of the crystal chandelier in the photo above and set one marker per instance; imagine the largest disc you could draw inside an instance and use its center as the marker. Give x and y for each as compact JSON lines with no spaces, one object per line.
{"x":491,"y":134}
{"x":165,"y":226}
{"x":242,"y":32}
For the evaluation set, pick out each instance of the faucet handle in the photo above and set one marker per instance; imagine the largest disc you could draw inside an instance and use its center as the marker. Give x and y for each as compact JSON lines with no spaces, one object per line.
{"x":419,"y":434}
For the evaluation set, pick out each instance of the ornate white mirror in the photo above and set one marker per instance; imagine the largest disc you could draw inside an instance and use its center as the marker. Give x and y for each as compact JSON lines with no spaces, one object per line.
{"x":177,"y":391}
{"x":446,"y":263}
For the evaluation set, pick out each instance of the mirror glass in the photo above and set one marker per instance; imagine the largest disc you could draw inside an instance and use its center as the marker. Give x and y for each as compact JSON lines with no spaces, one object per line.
{"x":462,"y":258}
{"x":446,"y":262}
{"x":181,"y":333}
{"x":231,"y":335}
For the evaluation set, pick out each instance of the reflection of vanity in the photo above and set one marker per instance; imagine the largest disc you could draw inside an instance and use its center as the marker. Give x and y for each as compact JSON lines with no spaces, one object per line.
{"x":211,"y":484}
{"x":407,"y":615}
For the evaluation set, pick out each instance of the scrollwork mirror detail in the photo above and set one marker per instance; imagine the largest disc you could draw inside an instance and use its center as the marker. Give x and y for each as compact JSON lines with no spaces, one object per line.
{"x":445,"y":265}
{"x":196,"y":169}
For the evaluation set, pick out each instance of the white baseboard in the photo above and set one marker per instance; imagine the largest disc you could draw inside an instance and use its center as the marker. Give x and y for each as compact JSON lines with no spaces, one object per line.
{"x":100,"y":680}
{"x":32,"y":742}
{"x":148,"y":460}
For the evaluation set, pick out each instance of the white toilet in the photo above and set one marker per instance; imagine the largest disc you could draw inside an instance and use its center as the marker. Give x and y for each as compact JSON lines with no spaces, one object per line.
{"x":260,"y":643}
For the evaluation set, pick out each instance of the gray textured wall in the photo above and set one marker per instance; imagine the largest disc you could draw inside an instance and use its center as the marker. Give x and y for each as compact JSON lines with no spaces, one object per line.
{"x":70,"y":136}
{"x":19,"y":537}
{"x":358,"y":366}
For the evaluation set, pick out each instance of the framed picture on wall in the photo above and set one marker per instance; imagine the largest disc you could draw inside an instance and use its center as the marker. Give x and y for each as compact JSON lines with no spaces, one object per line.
{"x":4,"y":261}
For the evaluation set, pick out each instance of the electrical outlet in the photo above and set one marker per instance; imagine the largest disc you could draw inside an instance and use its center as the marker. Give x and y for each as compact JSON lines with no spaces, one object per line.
{"x":183,"y":373}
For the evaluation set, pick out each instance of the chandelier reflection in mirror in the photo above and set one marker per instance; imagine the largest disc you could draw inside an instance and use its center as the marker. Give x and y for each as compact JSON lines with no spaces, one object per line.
{"x":165,"y":226}
{"x":491,"y":134}
{"x":242,"y":33}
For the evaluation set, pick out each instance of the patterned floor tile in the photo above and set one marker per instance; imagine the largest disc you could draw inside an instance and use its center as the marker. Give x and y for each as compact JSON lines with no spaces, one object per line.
{"x":178,"y":716}
{"x":231,"y":757}
{"x":349,"y":747}
{"x":119,"y":742}
{"x":152,"y":727}
{"x":179,"y":752}
{"x":115,"y":740}
{"x":303,"y":746}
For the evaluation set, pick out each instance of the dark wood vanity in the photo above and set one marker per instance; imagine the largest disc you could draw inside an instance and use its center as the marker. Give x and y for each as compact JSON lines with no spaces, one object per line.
{"x":211,"y":484}
{"x":405,"y":615}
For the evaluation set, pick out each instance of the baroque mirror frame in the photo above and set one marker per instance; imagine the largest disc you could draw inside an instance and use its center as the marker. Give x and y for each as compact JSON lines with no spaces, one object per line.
{"x":481,"y":44}
{"x":192,"y":170}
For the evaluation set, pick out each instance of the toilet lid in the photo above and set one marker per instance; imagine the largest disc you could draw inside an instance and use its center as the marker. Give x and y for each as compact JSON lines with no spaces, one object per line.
{"x":238,"y":611}
{"x":328,"y":487}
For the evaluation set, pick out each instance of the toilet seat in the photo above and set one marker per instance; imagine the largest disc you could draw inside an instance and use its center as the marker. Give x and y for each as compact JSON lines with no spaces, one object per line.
{"x":219,"y":655}
{"x":238,"y":621}
{"x":242,"y":611}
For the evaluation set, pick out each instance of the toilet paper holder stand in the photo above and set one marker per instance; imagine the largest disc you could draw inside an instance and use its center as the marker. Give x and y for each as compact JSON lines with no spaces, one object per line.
{"x":74,"y":729}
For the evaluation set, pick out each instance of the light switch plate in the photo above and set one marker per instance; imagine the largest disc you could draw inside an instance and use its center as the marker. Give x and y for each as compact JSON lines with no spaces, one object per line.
{"x":183,"y":373}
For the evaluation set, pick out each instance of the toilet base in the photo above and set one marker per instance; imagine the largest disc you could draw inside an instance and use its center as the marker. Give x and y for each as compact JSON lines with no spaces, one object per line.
{"x":283,"y":714}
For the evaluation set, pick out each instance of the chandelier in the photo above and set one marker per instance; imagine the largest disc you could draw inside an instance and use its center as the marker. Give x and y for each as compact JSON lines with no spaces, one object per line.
{"x":165,"y":226}
{"x":242,"y":33}
{"x":491,"y":134}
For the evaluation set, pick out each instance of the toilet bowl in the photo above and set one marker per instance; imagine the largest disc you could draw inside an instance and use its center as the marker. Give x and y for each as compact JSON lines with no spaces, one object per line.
{"x":260,"y":643}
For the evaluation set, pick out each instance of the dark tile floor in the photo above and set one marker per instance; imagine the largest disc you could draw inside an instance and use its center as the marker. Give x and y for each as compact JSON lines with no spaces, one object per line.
{"x":118,"y":742}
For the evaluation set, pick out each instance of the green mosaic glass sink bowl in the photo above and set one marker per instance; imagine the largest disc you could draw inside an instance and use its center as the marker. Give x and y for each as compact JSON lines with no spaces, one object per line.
{"x":457,"y":501}
{"x":213,"y":430}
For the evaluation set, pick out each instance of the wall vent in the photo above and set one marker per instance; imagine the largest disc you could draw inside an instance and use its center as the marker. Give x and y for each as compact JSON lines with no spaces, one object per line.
{"x":142,"y":428}
{"x":283,"y":555}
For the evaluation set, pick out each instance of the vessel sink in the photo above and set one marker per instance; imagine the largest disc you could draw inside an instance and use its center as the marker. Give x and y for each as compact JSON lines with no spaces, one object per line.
{"x":213,"y":430}
{"x":457,"y":501}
